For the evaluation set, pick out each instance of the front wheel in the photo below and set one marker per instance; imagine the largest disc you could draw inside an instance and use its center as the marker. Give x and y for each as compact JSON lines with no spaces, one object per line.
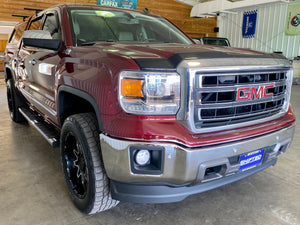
{"x":82,"y":165}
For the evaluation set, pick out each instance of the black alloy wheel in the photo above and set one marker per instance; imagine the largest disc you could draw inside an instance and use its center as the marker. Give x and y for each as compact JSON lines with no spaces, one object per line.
{"x":76,"y":166}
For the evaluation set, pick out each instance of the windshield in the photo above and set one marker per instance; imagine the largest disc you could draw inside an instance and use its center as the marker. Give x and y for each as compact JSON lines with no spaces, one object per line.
{"x":222,"y":42}
{"x":90,"y":26}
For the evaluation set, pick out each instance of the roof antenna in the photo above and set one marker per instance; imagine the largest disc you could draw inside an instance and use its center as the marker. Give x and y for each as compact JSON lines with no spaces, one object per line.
{"x":36,"y":10}
{"x":146,"y":10}
{"x":24,"y":17}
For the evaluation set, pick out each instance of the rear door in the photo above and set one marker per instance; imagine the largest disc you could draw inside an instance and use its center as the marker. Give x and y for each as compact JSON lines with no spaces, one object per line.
{"x":12,"y":47}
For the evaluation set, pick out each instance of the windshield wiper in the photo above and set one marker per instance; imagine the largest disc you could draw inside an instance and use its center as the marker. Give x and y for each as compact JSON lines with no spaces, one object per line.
{"x":87,"y":43}
{"x":91,"y":43}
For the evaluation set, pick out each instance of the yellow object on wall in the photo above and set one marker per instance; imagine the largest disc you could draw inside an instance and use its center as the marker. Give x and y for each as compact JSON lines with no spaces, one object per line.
{"x":293,"y":20}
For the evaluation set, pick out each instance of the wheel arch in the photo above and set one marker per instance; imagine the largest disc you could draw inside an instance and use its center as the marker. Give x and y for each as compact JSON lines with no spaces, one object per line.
{"x":8,"y":73}
{"x":80,"y":99}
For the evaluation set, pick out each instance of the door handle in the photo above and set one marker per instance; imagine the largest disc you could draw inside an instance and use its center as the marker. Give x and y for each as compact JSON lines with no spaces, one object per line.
{"x":17,"y":62}
{"x":32,"y":62}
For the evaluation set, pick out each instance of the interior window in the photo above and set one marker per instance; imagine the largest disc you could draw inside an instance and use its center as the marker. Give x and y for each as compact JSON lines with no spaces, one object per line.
{"x":52,"y":25}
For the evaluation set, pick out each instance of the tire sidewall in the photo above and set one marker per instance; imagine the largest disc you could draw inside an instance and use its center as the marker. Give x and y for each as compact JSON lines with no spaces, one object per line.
{"x":11,"y":93}
{"x":15,"y":102}
{"x":87,"y":202}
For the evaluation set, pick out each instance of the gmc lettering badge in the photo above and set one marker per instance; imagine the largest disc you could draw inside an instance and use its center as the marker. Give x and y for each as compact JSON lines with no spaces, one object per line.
{"x":249,"y":93}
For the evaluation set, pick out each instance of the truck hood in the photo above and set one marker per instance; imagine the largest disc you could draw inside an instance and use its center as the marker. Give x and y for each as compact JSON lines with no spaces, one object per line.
{"x":170,"y":55}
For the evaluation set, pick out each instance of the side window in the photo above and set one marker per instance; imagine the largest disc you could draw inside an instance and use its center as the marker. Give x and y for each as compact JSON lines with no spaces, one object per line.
{"x":36,"y":23}
{"x":17,"y":34}
{"x":52,"y":25}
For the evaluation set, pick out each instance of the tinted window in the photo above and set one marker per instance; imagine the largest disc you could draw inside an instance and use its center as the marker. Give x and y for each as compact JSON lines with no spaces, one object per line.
{"x":222,"y":42}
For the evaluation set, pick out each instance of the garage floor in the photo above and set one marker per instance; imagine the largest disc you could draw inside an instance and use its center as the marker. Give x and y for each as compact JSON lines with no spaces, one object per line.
{"x":33,"y":190}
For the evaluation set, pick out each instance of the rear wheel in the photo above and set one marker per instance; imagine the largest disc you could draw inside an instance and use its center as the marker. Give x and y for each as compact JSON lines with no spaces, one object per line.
{"x":14,"y":102}
{"x":82,"y":165}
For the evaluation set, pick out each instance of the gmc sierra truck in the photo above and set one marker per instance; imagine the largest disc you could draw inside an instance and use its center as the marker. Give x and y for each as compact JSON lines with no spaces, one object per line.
{"x":140,"y":112}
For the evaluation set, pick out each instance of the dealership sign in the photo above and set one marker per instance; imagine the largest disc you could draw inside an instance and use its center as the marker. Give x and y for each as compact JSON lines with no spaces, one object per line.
{"x":249,"y":24}
{"x":293,"y":20}
{"x":126,"y":4}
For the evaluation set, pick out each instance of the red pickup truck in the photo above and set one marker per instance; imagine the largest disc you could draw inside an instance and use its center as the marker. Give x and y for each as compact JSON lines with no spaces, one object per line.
{"x":140,"y":112}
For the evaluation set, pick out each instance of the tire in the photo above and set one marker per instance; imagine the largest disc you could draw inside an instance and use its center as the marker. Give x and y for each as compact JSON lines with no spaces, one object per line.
{"x":82,"y":165}
{"x":14,"y":102}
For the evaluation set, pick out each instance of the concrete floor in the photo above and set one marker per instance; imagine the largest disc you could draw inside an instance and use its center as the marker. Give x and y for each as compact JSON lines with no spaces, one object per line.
{"x":33,"y":190}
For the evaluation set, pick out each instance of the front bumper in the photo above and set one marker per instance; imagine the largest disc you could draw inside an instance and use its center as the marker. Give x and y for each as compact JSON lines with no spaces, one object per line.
{"x":184,"y":170}
{"x":162,"y":193}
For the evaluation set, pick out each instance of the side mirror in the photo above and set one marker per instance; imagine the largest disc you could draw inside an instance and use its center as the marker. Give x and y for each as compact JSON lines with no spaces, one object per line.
{"x":40,"y":39}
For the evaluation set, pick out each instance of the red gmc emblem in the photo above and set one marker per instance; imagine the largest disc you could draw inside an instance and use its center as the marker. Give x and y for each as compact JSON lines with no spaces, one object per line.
{"x":248,"y":93}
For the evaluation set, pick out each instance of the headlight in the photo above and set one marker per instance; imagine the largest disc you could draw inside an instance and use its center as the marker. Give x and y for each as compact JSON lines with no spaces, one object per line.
{"x":149,"y":93}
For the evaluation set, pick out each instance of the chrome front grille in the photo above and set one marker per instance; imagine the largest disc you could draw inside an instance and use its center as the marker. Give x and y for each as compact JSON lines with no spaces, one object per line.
{"x":230,"y":98}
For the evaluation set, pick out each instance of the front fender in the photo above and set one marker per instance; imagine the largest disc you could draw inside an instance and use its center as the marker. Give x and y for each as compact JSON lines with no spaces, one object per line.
{"x":81,"y":94}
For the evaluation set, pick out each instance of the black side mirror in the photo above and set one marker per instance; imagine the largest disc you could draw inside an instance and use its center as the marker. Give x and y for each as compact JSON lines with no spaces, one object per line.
{"x":40,"y":39}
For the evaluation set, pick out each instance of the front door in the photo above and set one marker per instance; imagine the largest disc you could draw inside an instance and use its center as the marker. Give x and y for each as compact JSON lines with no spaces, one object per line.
{"x":39,"y":66}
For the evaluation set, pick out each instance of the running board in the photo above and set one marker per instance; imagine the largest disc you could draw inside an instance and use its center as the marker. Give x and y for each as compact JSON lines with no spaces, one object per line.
{"x":46,"y":130}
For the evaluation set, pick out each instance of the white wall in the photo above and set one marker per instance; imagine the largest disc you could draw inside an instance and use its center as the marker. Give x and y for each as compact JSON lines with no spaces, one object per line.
{"x":7,"y":27}
{"x":270,"y":30}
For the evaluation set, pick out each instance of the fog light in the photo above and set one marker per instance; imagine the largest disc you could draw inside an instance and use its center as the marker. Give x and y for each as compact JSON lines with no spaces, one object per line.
{"x":142,"y":157}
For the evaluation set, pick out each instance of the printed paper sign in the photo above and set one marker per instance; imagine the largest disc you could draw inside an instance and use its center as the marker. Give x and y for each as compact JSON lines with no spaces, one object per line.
{"x":126,"y":4}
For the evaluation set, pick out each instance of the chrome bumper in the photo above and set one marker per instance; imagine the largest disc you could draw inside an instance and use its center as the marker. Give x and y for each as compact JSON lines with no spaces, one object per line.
{"x":183,"y":166}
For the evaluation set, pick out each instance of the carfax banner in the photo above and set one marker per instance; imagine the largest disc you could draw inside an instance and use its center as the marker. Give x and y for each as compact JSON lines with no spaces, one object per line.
{"x":126,"y":4}
{"x":293,"y":20}
{"x":249,"y":24}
